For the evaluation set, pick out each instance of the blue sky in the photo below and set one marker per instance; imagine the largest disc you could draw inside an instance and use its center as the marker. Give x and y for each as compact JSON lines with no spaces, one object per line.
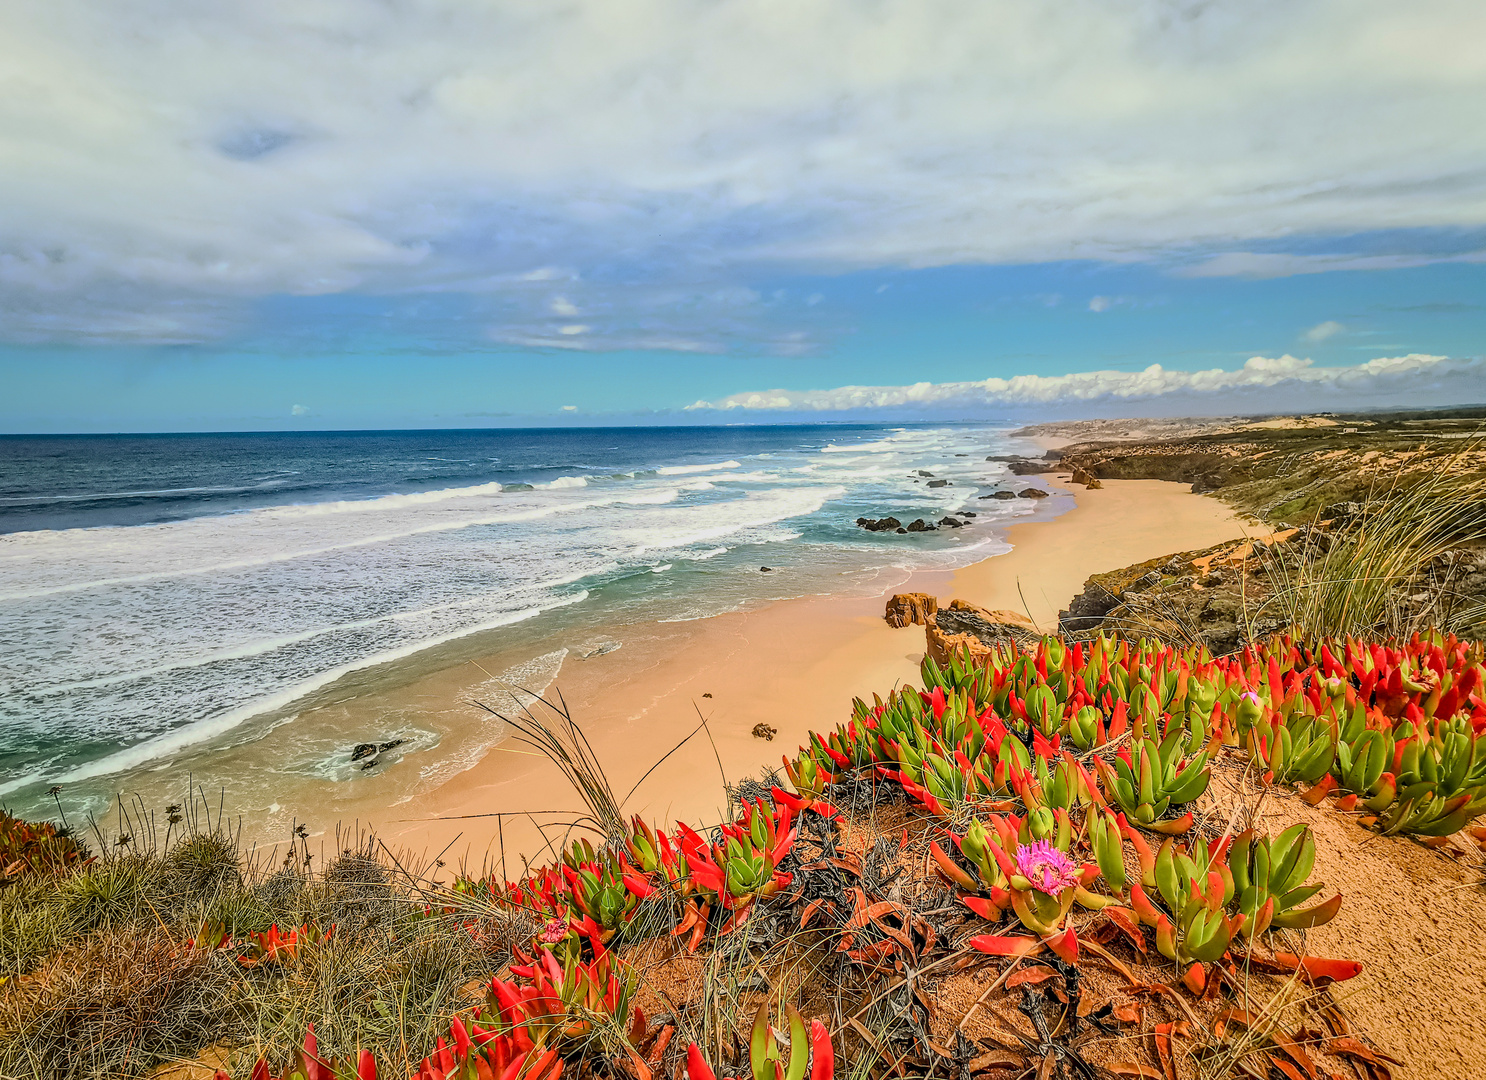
{"x":438,"y":212}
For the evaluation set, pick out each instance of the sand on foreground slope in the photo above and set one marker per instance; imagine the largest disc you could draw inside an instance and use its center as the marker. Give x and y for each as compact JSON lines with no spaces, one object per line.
{"x":793,"y":665}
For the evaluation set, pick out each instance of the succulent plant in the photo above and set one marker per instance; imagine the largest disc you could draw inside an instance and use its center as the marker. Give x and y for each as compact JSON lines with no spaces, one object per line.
{"x":1195,"y":887}
{"x":1441,"y":778}
{"x":603,"y":895}
{"x":1034,"y":876}
{"x":1298,"y":750}
{"x":564,"y":1002}
{"x":307,"y":1064}
{"x":808,"y":1050}
{"x":1269,"y":881}
{"x":743,"y":867}
{"x":1362,"y":756}
{"x":275,"y":947}
{"x":37,"y":848}
{"x":479,"y":1053}
{"x":1104,"y":835}
{"x":1154,"y":778}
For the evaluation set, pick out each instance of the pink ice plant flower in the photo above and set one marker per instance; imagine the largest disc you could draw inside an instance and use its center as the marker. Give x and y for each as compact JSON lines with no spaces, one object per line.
{"x":1048,"y":869}
{"x":554,"y":931}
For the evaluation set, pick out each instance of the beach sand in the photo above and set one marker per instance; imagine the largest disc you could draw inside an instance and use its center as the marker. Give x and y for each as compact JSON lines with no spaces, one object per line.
{"x":794,"y":665}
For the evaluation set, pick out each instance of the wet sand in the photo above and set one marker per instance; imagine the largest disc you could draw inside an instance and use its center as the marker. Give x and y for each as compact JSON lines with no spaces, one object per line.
{"x":793,"y":665}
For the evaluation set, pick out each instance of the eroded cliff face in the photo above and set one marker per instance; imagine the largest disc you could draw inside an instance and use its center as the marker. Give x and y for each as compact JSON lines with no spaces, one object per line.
{"x":1232,"y":594}
{"x":963,"y":625}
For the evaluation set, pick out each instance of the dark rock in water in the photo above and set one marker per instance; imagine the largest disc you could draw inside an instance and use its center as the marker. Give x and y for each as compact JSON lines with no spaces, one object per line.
{"x":968,"y":513}
{"x":886,"y":524}
{"x":902,"y":530}
{"x":939,"y":483}
{"x":920,"y":525}
{"x":1000,"y":495}
{"x":1027,"y":468}
{"x":924,"y":472}
{"x":953,"y":523}
{"x":765,"y":569}
{"x":1006,"y":457}
{"x":962,"y":455}
{"x":1031,"y":493}
{"x":372,"y":764}
{"x":373,"y":750}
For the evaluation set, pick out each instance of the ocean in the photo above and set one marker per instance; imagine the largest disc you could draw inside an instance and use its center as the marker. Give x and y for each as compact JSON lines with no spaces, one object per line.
{"x":165,"y":598}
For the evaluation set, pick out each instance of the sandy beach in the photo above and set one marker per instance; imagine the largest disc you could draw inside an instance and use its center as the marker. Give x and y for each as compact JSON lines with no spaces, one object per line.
{"x":793,"y":665}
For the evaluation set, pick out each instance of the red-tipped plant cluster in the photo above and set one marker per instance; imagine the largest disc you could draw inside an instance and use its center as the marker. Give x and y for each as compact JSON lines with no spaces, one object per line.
{"x":1048,"y":773}
{"x":36,"y":847}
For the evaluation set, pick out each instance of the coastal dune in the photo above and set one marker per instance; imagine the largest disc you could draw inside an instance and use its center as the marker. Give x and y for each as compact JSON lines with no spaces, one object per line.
{"x":792,"y":666}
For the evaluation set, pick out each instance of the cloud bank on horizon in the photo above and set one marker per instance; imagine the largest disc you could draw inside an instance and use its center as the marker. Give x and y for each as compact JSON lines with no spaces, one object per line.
{"x":1280,"y":384}
{"x":603,"y":175}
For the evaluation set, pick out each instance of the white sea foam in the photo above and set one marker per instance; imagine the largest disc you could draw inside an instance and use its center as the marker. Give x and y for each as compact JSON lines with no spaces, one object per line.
{"x":210,"y":727}
{"x":701,"y":556}
{"x":681,"y":470}
{"x":221,"y":620}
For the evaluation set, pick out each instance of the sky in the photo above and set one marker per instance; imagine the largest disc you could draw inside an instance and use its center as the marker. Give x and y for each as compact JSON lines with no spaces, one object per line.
{"x":409,"y":213}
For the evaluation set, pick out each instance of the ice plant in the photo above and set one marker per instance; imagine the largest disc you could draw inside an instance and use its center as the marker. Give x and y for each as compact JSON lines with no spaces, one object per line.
{"x":1048,"y":869}
{"x":275,"y":947}
{"x":36,"y":847}
{"x":1300,"y":749}
{"x":1441,"y":778}
{"x":475,"y":1052}
{"x":1269,"y":881}
{"x":1041,"y":882}
{"x":546,"y":1003}
{"x":1195,"y":887}
{"x":1154,"y":778}
{"x":741,"y":869}
{"x":307,"y":1064}
{"x":1104,"y":828}
{"x":807,"y":1051}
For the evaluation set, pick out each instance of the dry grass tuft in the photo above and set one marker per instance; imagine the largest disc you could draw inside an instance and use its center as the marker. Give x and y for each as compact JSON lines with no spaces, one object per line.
{"x":113,"y":1005}
{"x":1359,"y":584}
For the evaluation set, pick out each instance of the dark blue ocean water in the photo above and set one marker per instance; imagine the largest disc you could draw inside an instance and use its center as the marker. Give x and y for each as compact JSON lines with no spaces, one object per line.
{"x":165,"y":596}
{"x":83,"y":481}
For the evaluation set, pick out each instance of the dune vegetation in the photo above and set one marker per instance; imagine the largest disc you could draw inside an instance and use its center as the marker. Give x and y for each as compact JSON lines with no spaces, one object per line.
{"x":1043,"y":862}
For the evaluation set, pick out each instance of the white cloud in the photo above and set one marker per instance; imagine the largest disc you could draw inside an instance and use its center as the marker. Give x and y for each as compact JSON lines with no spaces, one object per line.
{"x":1099,"y":303}
{"x":561,"y":305}
{"x":573,"y":328}
{"x":1259,"y":265}
{"x":1323,"y":330}
{"x":166,"y":163}
{"x":1259,"y":373}
{"x":299,"y":410}
{"x":570,"y":408}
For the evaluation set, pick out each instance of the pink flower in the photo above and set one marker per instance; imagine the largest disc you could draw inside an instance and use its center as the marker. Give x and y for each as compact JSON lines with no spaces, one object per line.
{"x":1048,"y":869}
{"x":554,"y":931}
